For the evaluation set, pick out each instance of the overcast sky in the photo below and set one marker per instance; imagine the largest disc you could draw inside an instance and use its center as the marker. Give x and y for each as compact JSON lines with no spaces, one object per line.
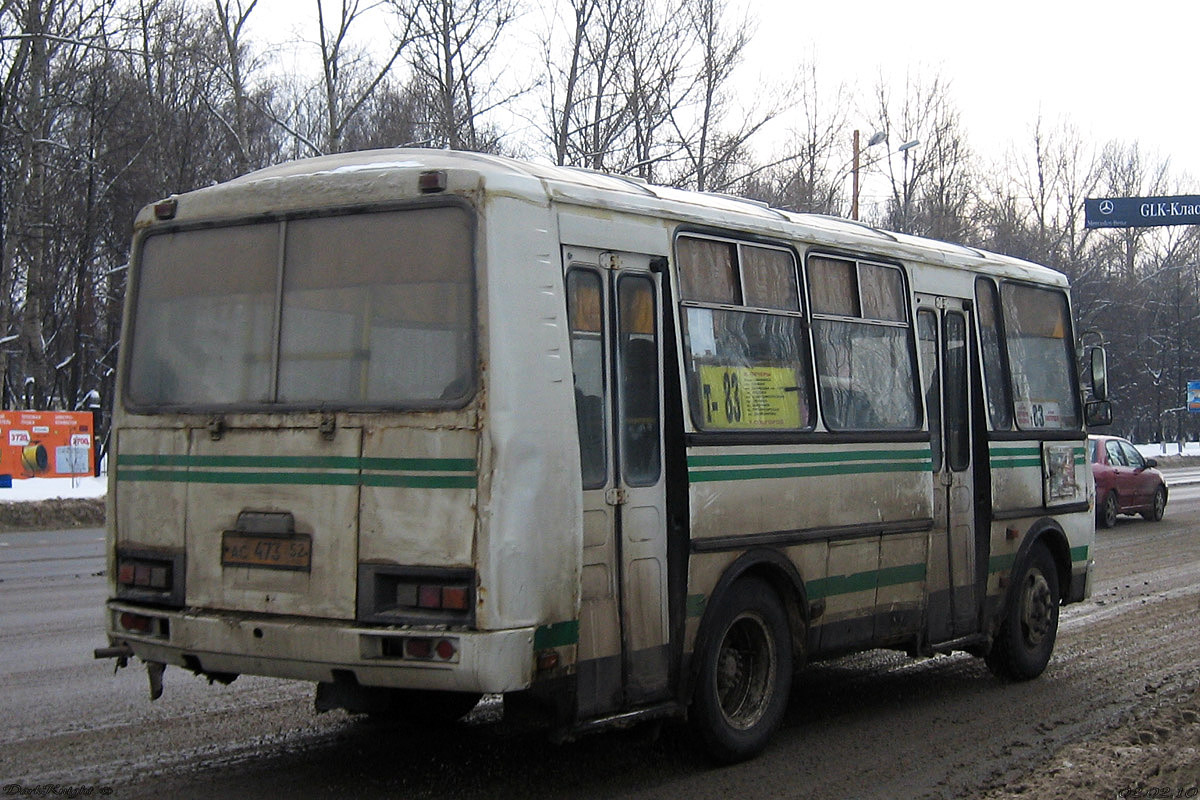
{"x":1116,"y":70}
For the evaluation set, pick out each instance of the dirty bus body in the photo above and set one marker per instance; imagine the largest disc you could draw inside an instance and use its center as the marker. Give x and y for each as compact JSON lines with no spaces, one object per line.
{"x":420,"y":425}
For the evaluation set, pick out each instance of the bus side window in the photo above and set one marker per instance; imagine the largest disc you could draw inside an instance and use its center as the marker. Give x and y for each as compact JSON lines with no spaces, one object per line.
{"x":927,"y":335}
{"x":640,"y":456}
{"x":998,"y":400}
{"x":862,"y":337}
{"x":584,"y":312}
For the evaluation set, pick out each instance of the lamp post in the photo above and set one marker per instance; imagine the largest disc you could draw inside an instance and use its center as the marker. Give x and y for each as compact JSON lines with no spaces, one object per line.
{"x":876,"y":138}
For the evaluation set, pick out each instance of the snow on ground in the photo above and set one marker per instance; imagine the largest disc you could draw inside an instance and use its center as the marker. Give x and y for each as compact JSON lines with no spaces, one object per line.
{"x":32,"y":489}
{"x":1168,"y":449}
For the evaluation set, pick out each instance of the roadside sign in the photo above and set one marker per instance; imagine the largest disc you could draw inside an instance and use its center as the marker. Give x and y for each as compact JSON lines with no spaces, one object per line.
{"x":1193,"y":397}
{"x":46,"y":444}
{"x":1141,"y":212}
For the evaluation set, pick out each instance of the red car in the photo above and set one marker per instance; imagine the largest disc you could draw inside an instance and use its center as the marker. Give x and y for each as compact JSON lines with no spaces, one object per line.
{"x":1126,"y":482}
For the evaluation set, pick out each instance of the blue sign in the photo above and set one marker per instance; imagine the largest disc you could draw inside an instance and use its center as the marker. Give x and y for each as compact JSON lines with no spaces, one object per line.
{"x":1193,"y":397}
{"x":1141,"y":212}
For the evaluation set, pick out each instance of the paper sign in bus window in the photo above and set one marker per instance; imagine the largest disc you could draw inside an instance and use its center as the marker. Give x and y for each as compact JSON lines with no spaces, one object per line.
{"x":750,"y":397}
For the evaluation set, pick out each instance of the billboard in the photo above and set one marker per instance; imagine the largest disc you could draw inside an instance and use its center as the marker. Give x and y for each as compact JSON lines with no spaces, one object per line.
{"x":1141,"y":212}
{"x":46,"y":444}
{"x":1193,"y":397}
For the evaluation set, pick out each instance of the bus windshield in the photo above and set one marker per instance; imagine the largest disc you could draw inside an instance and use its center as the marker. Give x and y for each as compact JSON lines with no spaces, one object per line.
{"x":1041,"y":355}
{"x":350,"y":311}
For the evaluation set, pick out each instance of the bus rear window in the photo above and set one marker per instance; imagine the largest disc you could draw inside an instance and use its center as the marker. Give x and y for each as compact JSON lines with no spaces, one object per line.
{"x":361,"y":310}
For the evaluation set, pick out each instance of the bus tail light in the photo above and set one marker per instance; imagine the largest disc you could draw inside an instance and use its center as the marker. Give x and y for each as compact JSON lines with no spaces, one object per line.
{"x":416,"y":595}
{"x":415,"y":648}
{"x":143,"y":624}
{"x":150,"y":576}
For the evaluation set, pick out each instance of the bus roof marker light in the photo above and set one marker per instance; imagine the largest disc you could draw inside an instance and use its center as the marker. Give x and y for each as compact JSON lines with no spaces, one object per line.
{"x":165,"y":209}
{"x":431,"y":181}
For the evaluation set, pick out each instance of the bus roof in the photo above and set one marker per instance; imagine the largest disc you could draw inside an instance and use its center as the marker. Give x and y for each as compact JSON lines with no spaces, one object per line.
{"x":373,"y":176}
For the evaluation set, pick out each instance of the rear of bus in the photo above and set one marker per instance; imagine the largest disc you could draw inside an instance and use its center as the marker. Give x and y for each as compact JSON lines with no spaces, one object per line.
{"x":299,"y":437}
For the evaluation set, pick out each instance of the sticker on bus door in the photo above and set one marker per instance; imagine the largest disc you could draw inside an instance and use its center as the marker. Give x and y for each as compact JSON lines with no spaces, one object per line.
{"x":1037,"y":414}
{"x":750,"y":397}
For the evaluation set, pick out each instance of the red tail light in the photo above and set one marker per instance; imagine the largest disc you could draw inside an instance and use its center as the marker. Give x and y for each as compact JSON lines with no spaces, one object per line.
{"x":418,"y":648}
{"x":136,"y":623}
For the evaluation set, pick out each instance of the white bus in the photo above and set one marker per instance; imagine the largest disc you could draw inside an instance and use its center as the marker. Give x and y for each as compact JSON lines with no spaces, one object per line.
{"x":419,"y":425}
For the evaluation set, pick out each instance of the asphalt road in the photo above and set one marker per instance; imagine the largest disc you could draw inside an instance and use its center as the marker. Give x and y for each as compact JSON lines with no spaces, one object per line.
{"x":873,"y":725}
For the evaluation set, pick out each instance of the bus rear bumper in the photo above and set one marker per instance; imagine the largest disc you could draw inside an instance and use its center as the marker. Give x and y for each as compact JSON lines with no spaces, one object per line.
{"x":224,"y":643}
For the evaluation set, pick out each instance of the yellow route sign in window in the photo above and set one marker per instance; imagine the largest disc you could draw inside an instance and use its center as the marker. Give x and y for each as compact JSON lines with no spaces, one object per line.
{"x":750,"y":398}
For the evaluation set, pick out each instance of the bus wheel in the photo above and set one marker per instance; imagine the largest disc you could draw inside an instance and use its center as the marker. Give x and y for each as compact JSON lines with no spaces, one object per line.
{"x":418,"y":707}
{"x":1023,"y":645}
{"x":745,"y":674}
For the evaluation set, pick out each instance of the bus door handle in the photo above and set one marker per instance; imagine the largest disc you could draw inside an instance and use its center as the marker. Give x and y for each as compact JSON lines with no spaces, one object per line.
{"x":616,"y":497}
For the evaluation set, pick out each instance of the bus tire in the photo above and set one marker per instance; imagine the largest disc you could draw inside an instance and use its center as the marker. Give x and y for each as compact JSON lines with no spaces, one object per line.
{"x":1025,"y":641}
{"x":745,"y":674}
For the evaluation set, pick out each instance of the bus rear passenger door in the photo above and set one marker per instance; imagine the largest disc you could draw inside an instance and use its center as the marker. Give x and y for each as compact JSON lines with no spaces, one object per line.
{"x":623,"y":636}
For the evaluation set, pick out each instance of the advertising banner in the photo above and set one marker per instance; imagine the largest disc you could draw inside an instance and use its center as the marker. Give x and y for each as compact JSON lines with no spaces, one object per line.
{"x":46,"y":444}
{"x":1141,"y":212}
{"x":1193,"y":397}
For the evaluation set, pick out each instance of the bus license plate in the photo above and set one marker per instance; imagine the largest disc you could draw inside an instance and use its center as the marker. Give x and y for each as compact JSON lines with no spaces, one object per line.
{"x":272,"y":552}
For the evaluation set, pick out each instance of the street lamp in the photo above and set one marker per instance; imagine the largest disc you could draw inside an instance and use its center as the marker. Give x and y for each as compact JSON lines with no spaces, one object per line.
{"x":876,"y":138}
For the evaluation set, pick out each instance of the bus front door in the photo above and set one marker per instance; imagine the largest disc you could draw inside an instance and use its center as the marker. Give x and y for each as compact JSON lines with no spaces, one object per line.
{"x":614,"y":307}
{"x":943,"y":328}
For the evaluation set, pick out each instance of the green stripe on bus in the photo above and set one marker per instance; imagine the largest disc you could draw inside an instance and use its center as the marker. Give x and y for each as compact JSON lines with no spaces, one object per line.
{"x":1014,"y":457}
{"x":696,"y":603}
{"x":300,"y":462}
{"x":1023,"y":450}
{"x":420,"y":464}
{"x":704,"y":476}
{"x":261,"y":462}
{"x":560,"y":634}
{"x":246,"y":478}
{"x":298,"y":478}
{"x":1012,"y":463}
{"x":736,"y":460}
{"x":421,"y":481}
{"x":1004,"y":563}
{"x":1001,"y":563}
{"x":299,"y":470}
{"x":820,"y":588}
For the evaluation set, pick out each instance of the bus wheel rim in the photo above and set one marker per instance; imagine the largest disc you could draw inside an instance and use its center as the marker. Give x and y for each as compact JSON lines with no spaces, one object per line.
{"x":1037,"y":608}
{"x":746,"y":665}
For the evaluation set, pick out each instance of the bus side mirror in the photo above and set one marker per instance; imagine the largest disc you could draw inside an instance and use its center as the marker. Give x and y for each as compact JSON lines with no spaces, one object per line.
{"x":1100,"y":375}
{"x":1098,"y":414}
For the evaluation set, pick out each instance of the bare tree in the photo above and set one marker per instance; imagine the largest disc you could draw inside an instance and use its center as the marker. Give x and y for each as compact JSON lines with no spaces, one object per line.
{"x":232,"y":16}
{"x":318,"y":122}
{"x":52,"y":40}
{"x":454,"y":57}
{"x":930,"y":183}
{"x":586,"y":112}
{"x":809,"y":174}
{"x":565,"y":84}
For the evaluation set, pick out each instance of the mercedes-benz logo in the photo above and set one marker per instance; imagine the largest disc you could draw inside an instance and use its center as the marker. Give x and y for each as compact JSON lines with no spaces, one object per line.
{"x":1106,"y":207}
